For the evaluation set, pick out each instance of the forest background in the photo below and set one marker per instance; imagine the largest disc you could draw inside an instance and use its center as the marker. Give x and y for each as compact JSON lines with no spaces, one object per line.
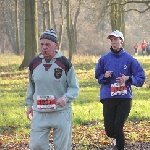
{"x":83,"y":27}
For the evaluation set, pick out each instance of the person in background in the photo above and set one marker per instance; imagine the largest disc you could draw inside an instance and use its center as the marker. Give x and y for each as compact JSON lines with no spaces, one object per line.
{"x":136,"y":49}
{"x":116,"y":72}
{"x":148,"y":48}
{"x":143,"y":46}
{"x":52,"y":87}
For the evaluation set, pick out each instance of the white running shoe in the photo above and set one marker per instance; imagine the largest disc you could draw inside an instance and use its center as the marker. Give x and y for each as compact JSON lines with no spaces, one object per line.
{"x":114,"y":145}
{"x":114,"y":142}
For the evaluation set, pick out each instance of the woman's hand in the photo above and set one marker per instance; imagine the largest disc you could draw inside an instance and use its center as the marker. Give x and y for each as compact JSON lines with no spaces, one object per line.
{"x":122,"y":79}
{"x":108,"y":74}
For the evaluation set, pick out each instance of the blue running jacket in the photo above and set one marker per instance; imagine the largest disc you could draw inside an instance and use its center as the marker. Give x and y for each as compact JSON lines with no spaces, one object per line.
{"x":119,"y":63}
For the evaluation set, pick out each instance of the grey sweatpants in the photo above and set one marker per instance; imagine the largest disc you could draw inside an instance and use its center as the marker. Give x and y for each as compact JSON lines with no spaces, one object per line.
{"x":42,"y":123}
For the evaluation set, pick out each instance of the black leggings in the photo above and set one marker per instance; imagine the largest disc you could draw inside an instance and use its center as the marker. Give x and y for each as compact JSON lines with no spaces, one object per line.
{"x":115,"y":112}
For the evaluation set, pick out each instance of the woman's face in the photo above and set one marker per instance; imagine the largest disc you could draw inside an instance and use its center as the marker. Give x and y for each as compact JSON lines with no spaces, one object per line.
{"x":116,"y":43}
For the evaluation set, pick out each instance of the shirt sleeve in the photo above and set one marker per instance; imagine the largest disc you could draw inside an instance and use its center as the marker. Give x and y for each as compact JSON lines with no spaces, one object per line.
{"x":73,"y":86}
{"x":99,"y":72}
{"x":138,"y":74}
{"x":30,"y":92}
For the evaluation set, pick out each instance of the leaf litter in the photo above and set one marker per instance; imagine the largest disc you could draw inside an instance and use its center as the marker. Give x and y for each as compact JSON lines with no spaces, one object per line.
{"x":87,"y":137}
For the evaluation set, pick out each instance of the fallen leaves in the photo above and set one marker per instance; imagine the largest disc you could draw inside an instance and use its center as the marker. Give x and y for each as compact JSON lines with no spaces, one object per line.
{"x":88,"y":137}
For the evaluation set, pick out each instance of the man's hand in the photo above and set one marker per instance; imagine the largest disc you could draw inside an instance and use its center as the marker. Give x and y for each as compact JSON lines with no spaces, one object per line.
{"x":61,"y":101}
{"x":29,"y":113}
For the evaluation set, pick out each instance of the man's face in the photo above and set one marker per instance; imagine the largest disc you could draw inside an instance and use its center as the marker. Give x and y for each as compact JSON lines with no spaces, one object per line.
{"x":48,"y":48}
{"x":116,"y":43}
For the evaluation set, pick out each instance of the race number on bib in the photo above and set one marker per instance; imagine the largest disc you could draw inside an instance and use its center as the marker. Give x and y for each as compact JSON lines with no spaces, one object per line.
{"x":46,"y":102}
{"x":117,"y":89}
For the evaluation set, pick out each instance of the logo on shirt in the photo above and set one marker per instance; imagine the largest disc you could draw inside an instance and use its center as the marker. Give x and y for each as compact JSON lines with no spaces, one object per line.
{"x":125,"y":66}
{"x":57,"y":73}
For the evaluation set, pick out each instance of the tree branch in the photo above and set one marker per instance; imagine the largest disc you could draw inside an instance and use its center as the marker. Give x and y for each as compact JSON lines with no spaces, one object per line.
{"x":147,"y":3}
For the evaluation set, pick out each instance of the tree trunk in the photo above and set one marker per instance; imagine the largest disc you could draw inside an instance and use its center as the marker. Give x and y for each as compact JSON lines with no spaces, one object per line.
{"x":44,"y":16}
{"x":47,"y":14}
{"x":9,"y":28}
{"x":75,"y":26}
{"x":17,"y":29}
{"x":61,"y":25}
{"x":69,"y":29}
{"x":3,"y":47}
{"x":73,"y":38}
{"x":117,"y":15}
{"x":30,"y":32}
{"x":35,"y":25}
{"x":53,"y":23}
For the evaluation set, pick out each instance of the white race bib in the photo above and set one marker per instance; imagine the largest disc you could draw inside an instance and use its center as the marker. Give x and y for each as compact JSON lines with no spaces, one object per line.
{"x":46,"y":102}
{"x":117,"y":89}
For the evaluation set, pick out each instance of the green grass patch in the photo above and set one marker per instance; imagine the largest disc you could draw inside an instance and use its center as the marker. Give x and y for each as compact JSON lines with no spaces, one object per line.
{"x":87,"y":110}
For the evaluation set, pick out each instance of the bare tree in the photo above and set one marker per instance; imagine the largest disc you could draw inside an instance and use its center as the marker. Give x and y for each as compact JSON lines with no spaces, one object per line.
{"x":17,"y":29}
{"x":48,"y":14}
{"x":31,"y":28}
{"x":72,"y":27}
{"x":53,"y":23}
{"x":117,"y":16}
{"x":89,"y":21}
{"x":69,"y":26}
{"x":9,"y":20}
{"x":61,"y":24}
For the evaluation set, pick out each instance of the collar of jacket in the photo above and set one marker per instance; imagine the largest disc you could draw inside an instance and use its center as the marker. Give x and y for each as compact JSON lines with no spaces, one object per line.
{"x":118,"y":53}
{"x":112,"y":50}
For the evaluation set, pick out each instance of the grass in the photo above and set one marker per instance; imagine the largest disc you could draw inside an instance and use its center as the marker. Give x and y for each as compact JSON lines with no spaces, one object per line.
{"x":87,"y":110}
{"x":86,"y":107}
